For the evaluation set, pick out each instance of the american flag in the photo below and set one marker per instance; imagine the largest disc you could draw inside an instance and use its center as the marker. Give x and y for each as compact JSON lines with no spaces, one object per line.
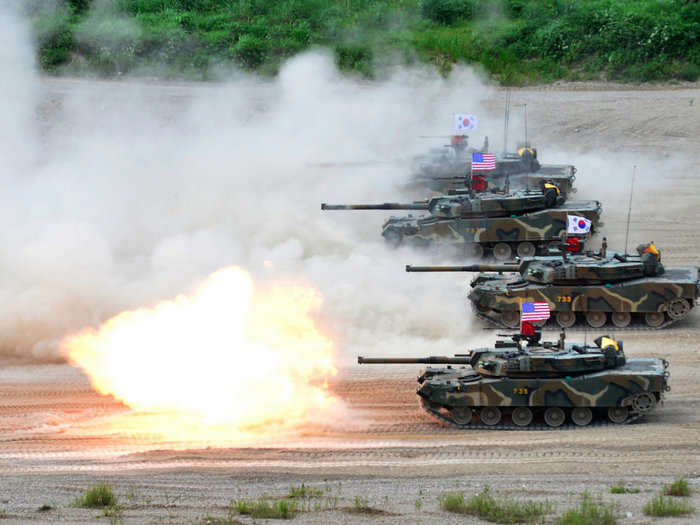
{"x":483,"y":161}
{"x":534,"y":311}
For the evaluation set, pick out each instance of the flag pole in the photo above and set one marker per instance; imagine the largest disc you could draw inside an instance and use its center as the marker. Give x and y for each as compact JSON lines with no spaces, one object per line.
{"x":629,"y":209}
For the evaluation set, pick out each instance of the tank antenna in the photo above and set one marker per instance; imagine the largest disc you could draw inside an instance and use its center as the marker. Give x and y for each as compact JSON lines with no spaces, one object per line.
{"x":505,"y":123}
{"x":629,"y":209}
{"x":527,"y":144}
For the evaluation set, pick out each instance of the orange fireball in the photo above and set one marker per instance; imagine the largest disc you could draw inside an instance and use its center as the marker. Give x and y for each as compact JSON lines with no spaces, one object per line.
{"x":224,"y":359}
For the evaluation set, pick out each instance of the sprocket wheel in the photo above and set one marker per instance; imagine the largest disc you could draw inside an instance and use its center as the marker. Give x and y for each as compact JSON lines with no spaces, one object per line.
{"x":677,"y":308}
{"x":644,"y":402}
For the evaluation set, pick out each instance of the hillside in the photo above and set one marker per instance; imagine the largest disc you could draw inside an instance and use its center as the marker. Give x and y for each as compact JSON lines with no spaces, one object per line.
{"x":515,"y":41}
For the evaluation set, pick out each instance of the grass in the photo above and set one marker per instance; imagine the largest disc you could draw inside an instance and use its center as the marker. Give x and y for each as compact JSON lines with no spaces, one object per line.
{"x":264,"y":509}
{"x":304,"y":492}
{"x":486,"y":506}
{"x":661,"y":505}
{"x":98,"y":496}
{"x":590,"y":511}
{"x":621,"y":488}
{"x":678,"y":488}
{"x":44,"y":508}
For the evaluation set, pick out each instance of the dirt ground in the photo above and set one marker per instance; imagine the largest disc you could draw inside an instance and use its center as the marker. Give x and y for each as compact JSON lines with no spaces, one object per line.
{"x":53,"y":444}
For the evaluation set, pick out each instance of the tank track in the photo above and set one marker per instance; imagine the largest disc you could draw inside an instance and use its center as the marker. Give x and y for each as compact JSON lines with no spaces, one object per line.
{"x":633,"y":416}
{"x":581,"y":326}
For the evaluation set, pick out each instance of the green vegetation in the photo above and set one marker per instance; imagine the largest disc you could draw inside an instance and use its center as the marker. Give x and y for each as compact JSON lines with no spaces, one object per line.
{"x":44,"y":508}
{"x":98,"y":496}
{"x":264,"y":509}
{"x":664,"y":506}
{"x":304,"y":492}
{"x":621,"y":488}
{"x":678,"y":488}
{"x":487,"y":507}
{"x":515,"y":41}
{"x":590,"y":511}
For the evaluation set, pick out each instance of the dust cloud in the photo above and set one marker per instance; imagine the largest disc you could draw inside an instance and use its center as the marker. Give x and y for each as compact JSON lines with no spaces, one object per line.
{"x":122,"y":194}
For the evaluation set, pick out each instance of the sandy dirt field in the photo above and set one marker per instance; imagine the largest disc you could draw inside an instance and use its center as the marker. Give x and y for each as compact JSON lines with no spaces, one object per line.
{"x":56,"y":440}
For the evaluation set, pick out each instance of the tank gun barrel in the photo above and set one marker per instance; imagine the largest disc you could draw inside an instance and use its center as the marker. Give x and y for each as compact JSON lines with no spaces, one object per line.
{"x":469,"y":268}
{"x":422,"y":205}
{"x":432,"y":360}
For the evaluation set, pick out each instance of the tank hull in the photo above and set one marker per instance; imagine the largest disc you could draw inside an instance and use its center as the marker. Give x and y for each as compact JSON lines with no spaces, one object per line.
{"x":657,"y":301}
{"x":539,"y":228}
{"x":618,"y":395}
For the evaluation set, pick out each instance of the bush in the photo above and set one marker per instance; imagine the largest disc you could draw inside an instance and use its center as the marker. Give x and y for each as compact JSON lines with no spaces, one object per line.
{"x":447,"y":12}
{"x":98,"y":496}
{"x":678,"y":488}
{"x":589,"y":512}
{"x":263,"y":509}
{"x":489,"y":508}
{"x":664,"y":506}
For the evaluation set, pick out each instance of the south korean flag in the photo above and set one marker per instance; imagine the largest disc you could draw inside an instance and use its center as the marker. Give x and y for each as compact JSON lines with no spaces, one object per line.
{"x":577,"y":225}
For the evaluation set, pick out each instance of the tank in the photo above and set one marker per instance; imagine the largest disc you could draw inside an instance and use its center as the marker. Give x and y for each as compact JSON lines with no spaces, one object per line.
{"x":596,"y":287}
{"x":485,"y":223}
{"x":523,"y":383}
{"x":444,"y":172}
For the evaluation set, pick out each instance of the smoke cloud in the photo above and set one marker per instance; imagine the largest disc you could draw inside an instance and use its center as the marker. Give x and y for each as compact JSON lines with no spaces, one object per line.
{"x":121,"y":194}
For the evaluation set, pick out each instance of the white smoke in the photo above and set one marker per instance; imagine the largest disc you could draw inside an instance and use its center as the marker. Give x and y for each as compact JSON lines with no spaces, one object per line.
{"x":133,"y":192}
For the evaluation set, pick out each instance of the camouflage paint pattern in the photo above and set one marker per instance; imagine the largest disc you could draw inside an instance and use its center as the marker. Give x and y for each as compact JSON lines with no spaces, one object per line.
{"x":500,"y":293}
{"x":608,"y":388}
{"x":542,"y":377}
{"x":538,"y":227}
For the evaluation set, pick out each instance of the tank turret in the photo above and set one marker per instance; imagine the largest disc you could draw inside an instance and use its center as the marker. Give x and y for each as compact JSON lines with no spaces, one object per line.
{"x":597,"y":286}
{"x":471,"y":204}
{"x":590,"y":268}
{"x":522,"y":381}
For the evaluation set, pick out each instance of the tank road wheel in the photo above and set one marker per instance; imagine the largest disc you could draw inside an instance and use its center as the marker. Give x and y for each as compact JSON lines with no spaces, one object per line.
{"x":618,"y":414}
{"x":654,"y":319}
{"x":522,"y":416}
{"x":474,"y":250}
{"x":511,"y":318}
{"x":678,"y":308}
{"x":644,"y":402}
{"x":461,"y":415}
{"x":596,"y":319}
{"x":621,"y":319}
{"x":554,"y":416}
{"x":526,"y":249}
{"x":392,"y":238}
{"x":566,"y":319}
{"x":581,"y":416}
{"x":490,"y":415}
{"x":502,"y":251}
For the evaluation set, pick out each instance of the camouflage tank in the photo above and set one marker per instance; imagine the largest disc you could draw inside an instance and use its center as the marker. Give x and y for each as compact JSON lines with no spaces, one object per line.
{"x":539,"y":385}
{"x":485,"y":223}
{"x":445,"y":173}
{"x":598,"y":286}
